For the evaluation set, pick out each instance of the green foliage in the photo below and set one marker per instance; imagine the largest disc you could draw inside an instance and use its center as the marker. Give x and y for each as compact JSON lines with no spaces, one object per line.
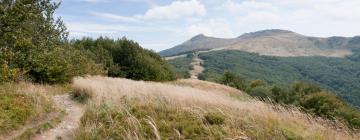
{"x":305,"y":88}
{"x":322,"y":104}
{"x":125,"y":58}
{"x":15,"y":111}
{"x":33,"y":45}
{"x":214,"y":119}
{"x":340,"y":75}
{"x":6,"y":74}
{"x":232,"y":80}
{"x":310,"y":97}
{"x":182,"y":66}
{"x":260,"y":92}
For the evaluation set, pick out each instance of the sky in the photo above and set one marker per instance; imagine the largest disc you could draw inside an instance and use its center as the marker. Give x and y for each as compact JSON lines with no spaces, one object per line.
{"x":162,"y":24}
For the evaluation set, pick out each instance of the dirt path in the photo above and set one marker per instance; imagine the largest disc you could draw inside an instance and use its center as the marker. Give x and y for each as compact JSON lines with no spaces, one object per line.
{"x":65,"y":130}
{"x":197,"y":66}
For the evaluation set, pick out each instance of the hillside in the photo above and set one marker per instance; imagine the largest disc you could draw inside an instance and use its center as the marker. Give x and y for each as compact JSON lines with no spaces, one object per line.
{"x":336,"y":74}
{"x":272,"y":43}
{"x":190,"y":109}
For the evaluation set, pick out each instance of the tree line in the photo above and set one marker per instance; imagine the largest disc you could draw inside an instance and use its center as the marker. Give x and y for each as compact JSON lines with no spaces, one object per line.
{"x":34,"y":46}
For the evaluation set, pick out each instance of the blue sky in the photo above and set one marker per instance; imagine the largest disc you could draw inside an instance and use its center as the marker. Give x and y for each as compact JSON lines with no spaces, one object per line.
{"x":161,"y":24}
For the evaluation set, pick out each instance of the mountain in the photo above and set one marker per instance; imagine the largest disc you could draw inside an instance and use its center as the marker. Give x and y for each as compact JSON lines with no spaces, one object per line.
{"x":199,"y":42}
{"x":278,"y":57}
{"x":273,"y":42}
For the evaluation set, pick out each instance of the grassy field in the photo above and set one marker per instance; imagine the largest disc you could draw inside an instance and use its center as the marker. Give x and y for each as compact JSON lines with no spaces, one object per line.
{"x":190,"y":109}
{"x":24,"y":103}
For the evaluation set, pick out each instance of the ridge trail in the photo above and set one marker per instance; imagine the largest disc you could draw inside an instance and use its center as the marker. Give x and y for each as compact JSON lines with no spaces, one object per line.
{"x":66,"y":129}
{"x":197,"y":66}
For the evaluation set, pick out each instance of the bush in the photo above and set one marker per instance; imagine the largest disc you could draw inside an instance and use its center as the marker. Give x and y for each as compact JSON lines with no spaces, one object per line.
{"x":310,"y":97}
{"x":125,"y":58}
{"x":232,"y":80}
{"x":330,"y":106}
{"x":260,"y":92}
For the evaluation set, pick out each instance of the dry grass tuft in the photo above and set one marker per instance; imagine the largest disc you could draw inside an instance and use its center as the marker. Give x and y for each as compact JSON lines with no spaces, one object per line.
{"x":191,"y":109}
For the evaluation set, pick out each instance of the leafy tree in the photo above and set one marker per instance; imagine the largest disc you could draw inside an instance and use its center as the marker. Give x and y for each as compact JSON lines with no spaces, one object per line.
{"x":230,"y":79}
{"x":33,"y":44}
{"x":309,"y":97}
{"x":305,"y":88}
{"x":27,"y":31}
{"x":126,"y":58}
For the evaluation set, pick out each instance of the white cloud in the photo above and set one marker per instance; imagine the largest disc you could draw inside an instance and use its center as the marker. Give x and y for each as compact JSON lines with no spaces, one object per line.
{"x":97,"y":28}
{"x":317,"y":18}
{"x":181,"y":19}
{"x":175,"y":10}
{"x":115,"y":17}
{"x":247,"y":6}
{"x":212,"y":27}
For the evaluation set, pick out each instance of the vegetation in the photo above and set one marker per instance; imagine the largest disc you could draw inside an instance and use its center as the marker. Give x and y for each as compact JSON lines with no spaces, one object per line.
{"x":34,"y":47}
{"x":187,"y":109}
{"x":33,"y":44}
{"x":21,"y":103}
{"x":182,"y":65}
{"x":125,"y":58}
{"x":339,"y":75}
{"x":310,"y":97}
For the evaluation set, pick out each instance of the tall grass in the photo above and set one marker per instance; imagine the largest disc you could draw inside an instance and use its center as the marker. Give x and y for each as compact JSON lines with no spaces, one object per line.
{"x":190,"y":109}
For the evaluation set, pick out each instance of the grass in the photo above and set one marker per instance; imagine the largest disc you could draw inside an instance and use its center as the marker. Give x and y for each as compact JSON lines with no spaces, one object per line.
{"x":187,"y":109}
{"x":24,"y":103}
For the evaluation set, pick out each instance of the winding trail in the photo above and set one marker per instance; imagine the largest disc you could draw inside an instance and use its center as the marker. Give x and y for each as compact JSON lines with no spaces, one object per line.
{"x":66,"y":129}
{"x":197,"y":66}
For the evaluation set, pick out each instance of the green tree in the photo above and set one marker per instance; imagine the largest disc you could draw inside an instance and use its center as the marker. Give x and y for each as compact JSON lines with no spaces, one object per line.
{"x":28,"y":30}
{"x":126,"y":58}
{"x":232,"y":80}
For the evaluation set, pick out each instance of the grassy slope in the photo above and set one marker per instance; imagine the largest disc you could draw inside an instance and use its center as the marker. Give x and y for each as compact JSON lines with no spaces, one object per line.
{"x":23,"y":104}
{"x":338,"y":74}
{"x":188,"y":109}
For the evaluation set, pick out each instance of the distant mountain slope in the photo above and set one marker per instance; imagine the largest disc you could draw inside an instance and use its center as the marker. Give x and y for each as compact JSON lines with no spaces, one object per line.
{"x":336,"y":74}
{"x":199,"y":42}
{"x":273,"y":43}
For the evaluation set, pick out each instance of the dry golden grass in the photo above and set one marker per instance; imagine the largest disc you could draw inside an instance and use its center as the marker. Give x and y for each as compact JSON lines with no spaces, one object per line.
{"x":232,"y":117}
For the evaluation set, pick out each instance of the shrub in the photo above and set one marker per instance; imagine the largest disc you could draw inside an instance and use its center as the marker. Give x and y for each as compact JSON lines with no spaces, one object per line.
{"x":126,"y":58}
{"x":330,"y":106}
{"x":233,"y":80}
{"x":214,"y":119}
{"x":260,"y":92}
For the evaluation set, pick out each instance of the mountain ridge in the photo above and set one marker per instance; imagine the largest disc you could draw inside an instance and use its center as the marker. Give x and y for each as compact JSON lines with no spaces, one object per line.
{"x":272,"y":42}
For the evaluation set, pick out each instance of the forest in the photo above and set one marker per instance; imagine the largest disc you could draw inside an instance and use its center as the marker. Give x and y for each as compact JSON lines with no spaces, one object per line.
{"x":339,"y":75}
